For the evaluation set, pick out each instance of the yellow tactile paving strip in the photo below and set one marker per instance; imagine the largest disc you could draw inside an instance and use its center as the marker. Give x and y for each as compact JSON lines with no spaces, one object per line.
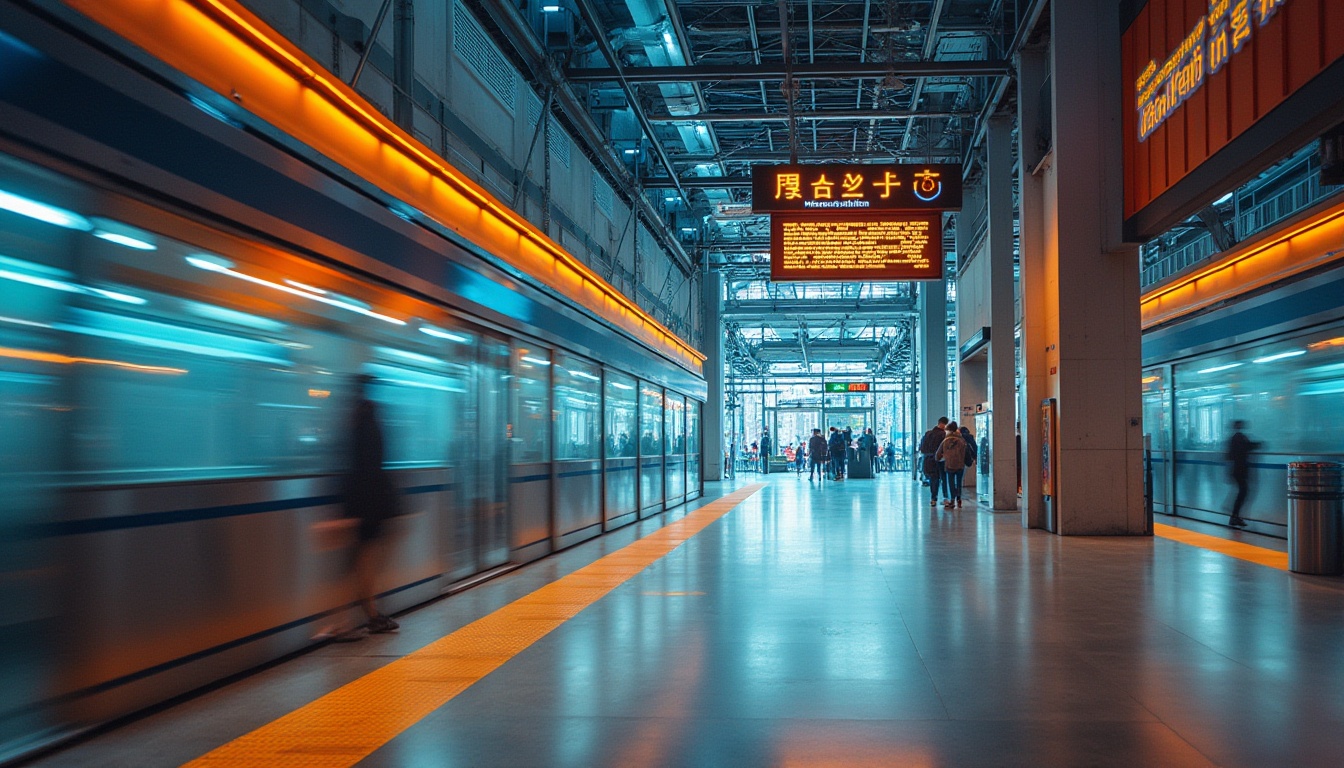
{"x":348,"y":724}
{"x":1237,"y":549}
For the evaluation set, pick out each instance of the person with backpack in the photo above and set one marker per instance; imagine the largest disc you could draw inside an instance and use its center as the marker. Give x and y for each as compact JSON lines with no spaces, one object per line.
{"x":928,"y":448}
{"x":953,"y":455}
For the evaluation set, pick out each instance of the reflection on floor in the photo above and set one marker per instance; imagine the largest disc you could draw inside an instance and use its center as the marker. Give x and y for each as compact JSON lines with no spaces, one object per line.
{"x":849,"y":625}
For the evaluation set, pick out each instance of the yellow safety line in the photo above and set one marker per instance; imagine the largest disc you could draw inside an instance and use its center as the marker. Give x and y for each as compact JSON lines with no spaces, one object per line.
{"x":348,"y":724}
{"x":1237,"y":549}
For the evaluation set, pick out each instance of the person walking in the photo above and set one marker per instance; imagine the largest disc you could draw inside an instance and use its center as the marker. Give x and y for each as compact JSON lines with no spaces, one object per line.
{"x":816,"y":453}
{"x":952,"y":453}
{"x":1239,"y":448}
{"x":766,"y":446}
{"x":848,"y":434}
{"x":370,"y":500}
{"x":835,"y":446}
{"x":928,"y":448}
{"x":800,"y":456}
{"x":891,"y":456}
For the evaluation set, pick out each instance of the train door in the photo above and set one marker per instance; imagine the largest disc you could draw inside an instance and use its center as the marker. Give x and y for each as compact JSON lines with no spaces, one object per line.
{"x":530,"y":453}
{"x":490,"y":446}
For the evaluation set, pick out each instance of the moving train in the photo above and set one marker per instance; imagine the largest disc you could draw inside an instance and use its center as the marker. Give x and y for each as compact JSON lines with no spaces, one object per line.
{"x":1273,"y":358}
{"x":184,"y":303}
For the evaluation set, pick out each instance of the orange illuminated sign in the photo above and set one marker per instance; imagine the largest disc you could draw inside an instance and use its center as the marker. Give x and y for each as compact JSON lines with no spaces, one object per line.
{"x":848,"y":189}
{"x":856,"y":247}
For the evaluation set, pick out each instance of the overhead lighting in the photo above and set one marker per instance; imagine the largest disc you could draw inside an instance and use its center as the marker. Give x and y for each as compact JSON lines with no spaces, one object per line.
{"x":43,"y":212}
{"x":213,"y":263}
{"x":1280,"y":356}
{"x":584,"y":375}
{"x":1223,"y":199}
{"x":439,"y":333}
{"x":535,"y":360}
{"x":126,"y":240}
{"x":619,"y":385}
{"x":1218,"y":368}
{"x":629,"y":151}
{"x":550,"y":8}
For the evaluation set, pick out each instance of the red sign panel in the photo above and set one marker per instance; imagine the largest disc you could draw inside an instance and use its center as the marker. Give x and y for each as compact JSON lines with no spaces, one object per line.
{"x":862,"y":247}
{"x":1199,"y":73}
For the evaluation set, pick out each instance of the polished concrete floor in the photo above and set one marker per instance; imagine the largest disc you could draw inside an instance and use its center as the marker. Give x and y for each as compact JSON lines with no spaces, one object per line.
{"x":853,"y":625}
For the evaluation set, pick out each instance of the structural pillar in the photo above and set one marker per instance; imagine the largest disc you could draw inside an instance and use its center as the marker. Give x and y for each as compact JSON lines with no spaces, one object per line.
{"x":1032,"y":67}
{"x":711,"y":460}
{"x":932,"y":355}
{"x":1080,"y":285}
{"x":1002,"y":313}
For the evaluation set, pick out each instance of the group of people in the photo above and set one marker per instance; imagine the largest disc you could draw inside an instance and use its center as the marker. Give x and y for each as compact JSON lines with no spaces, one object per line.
{"x":946,"y":450}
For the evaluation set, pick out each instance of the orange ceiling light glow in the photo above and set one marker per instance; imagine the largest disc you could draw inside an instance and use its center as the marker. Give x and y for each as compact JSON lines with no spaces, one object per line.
{"x":226,"y":48}
{"x":1306,"y":245}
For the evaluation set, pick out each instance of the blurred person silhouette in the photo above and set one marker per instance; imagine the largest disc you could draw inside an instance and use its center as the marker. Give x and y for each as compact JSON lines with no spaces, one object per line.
{"x":370,"y":501}
{"x":1239,"y":448}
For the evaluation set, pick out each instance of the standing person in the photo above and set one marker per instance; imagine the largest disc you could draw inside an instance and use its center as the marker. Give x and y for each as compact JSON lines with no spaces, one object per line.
{"x":868,"y":442}
{"x":800,"y":456}
{"x":835,"y":446}
{"x":766,"y":445}
{"x":816,"y":453}
{"x":953,"y":455}
{"x":1239,"y":448}
{"x":891,"y":456}
{"x":370,"y":499}
{"x":928,"y":447}
{"x":848,"y":435}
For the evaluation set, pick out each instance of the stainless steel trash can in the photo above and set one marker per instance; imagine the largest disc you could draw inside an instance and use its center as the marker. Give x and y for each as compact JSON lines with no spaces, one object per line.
{"x":1315,"y":508}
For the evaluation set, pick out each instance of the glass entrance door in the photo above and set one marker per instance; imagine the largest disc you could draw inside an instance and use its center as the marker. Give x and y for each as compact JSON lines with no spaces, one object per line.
{"x":793,"y":425}
{"x":857,"y":419}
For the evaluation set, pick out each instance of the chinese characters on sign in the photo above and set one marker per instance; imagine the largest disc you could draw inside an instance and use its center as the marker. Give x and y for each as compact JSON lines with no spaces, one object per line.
{"x":1213,"y":40}
{"x":856,"y":247}
{"x":852,"y":188}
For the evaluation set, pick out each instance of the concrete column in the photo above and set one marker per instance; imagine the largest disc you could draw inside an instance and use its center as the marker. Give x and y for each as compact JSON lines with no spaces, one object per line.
{"x":932,"y":354}
{"x":1083,"y":286}
{"x":403,"y":64}
{"x":1031,"y":73}
{"x":1002,"y":353}
{"x":711,"y":461}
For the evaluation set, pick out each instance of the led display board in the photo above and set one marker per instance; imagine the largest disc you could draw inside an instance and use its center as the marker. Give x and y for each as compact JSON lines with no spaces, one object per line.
{"x":1198,"y":75}
{"x":848,"y":189}
{"x":832,"y":248}
{"x":847,"y":386}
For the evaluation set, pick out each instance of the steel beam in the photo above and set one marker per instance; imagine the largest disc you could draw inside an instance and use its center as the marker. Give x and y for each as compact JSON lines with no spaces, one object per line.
{"x":781,"y":117}
{"x":815,"y":308}
{"x":834,"y":70}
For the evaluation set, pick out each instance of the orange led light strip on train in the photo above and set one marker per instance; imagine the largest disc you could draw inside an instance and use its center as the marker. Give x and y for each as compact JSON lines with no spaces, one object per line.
{"x":231,"y":51}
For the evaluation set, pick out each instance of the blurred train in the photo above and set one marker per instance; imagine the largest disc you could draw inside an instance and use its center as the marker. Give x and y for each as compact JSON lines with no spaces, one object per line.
{"x":1272,"y":357}
{"x":183,"y":304}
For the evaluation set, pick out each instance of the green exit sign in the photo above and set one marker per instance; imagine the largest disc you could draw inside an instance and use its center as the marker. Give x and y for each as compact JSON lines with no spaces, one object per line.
{"x":847,"y":386}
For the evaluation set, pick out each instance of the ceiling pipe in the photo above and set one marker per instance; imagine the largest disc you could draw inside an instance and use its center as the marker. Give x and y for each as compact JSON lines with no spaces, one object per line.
{"x":834,"y":70}
{"x":790,"y":92}
{"x":590,"y":18}
{"x":518,"y":33}
{"x":780,"y":117}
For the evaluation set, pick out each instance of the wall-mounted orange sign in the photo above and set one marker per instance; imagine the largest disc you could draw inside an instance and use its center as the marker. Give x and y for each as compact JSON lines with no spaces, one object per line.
{"x":1198,"y":74}
{"x":858,"y":247}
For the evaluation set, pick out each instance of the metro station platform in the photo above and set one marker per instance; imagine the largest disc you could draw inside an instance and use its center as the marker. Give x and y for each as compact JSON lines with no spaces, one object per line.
{"x":783,"y":623}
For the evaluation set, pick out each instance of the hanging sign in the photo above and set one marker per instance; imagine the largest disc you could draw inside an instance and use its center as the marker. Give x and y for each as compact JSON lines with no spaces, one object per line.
{"x":848,"y":386}
{"x":847,"y":189}
{"x":857,"y":247}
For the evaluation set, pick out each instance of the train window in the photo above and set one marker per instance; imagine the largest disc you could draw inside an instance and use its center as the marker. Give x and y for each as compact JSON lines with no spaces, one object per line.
{"x":620,"y":418}
{"x":421,"y":392}
{"x":578,"y":408}
{"x":650,"y":420}
{"x":531,"y":405}
{"x":674,"y":410}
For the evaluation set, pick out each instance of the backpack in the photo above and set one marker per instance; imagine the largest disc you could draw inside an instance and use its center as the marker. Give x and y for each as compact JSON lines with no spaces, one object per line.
{"x":971,"y":452}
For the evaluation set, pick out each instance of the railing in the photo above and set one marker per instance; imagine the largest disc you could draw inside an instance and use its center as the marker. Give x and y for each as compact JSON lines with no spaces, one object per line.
{"x":1285,"y":204}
